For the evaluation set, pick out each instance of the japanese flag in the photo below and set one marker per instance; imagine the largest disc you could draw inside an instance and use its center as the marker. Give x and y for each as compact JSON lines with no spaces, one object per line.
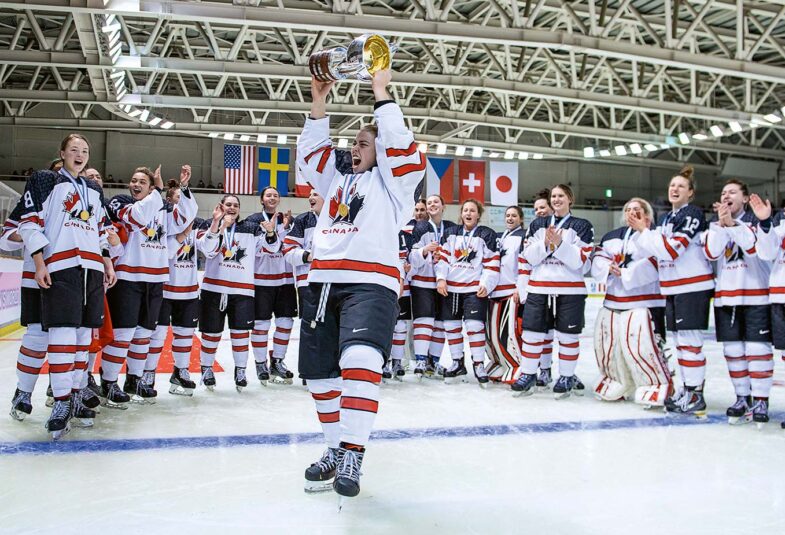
{"x":504,"y":183}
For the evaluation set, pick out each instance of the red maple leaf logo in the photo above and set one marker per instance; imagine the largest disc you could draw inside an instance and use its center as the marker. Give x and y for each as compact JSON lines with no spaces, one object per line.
{"x":70,"y":202}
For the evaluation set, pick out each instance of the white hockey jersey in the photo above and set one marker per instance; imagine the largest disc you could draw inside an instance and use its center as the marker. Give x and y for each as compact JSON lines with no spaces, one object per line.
{"x":356,"y":237}
{"x":509,"y":244}
{"x":272,"y":269}
{"x":639,"y":283}
{"x":742,"y":277}
{"x":676,"y":244}
{"x":148,"y":224}
{"x":183,"y":283}
{"x":425,"y":232}
{"x":559,"y":271}
{"x":230,"y":262}
{"x":298,"y":243}
{"x":404,"y":248}
{"x":468,"y":259}
{"x":64,"y":216}
{"x":771,"y":248}
{"x":11,"y":227}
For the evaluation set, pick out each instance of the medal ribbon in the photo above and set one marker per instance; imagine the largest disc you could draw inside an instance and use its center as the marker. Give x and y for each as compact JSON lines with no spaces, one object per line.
{"x":467,"y":239}
{"x":229,"y":238}
{"x":347,"y":186}
{"x":80,"y":186}
{"x":438,"y":232}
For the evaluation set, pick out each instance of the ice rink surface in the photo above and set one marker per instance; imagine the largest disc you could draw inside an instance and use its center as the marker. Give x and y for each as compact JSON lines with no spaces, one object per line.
{"x":445,"y":458}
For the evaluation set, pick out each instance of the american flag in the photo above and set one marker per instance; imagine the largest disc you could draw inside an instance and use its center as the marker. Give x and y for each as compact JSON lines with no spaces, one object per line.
{"x":239,"y":169}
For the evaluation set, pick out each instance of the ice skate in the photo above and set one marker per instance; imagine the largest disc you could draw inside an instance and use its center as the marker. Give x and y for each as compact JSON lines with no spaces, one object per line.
{"x":180,"y":382}
{"x":21,"y":406}
{"x":240,"y":381}
{"x":578,"y":388}
{"x":524,"y":385}
{"x":89,"y":399}
{"x":262,"y":373}
{"x":92,"y":385}
{"x":564,"y":386}
{"x":419,"y":368}
{"x":138,"y":391}
{"x":397,"y":370}
{"x":760,"y":412}
{"x":319,"y":476}
{"x":279,"y":373}
{"x":58,"y":425}
{"x":741,"y":411}
{"x":456,"y":373}
{"x":691,"y":403}
{"x":112,"y":397}
{"x":481,"y":374}
{"x":386,"y":374}
{"x":50,"y":398}
{"x":81,"y":416}
{"x":544,"y":379}
{"x":431,"y":368}
{"x":148,"y":378}
{"x":347,"y":474}
{"x":208,"y":378}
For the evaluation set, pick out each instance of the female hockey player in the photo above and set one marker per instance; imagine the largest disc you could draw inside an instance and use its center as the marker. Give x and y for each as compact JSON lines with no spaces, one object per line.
{"x":62,"y":226}
{"x":142,"y":270}
{"x":630,"y":324}
{"x":428,"y":328}
{"x":557,"y":249}
{"x":466,"y":273}
{"x":298,"y":244}
{"x":500,"y":328}
{"x":180,"y":305}
{"x":231,"y":246}
{"x":742,"y":314}
{"x":394,"y":368}
{"x":686,"y":281}
{"x":275,"y":294}
{"x":350,"y":313}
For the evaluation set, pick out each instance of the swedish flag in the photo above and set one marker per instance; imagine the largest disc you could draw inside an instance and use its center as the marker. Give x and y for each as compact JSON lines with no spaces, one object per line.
{"x":274,"y":169}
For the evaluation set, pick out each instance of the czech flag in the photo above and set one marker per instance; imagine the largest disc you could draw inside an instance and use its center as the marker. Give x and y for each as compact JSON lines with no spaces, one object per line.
{"x":274,"y":169}
{"x":439,"y":175}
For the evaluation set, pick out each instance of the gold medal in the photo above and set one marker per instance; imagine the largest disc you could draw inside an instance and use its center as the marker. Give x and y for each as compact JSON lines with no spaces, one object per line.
{"x":186,"y":248}
{"x":228,"y":253}
{"x":728,"y":252}
{"x":343,"y":210}
{"x":150,"y":232}
{"x":84,"y":215}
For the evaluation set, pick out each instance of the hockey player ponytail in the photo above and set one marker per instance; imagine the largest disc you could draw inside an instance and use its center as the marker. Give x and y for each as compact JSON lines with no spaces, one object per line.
{"x":687,"y":173}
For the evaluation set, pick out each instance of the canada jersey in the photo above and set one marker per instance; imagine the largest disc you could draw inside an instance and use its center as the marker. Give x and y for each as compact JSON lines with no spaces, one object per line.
{"x":65,"y":218}
{"x":230,"y":262}
{"x":297,"y":243}
{"x":676,"y":243}
{"x":468,"y":259}
{"x":404,"y":247}
{"x":272,"y":269}
{"x":559,"y":270}
{"x":425,"y":232}
{"x":508,"y":243}
{"x":771,"y":248}
{"x":638,"y":286}
{"x":10,"y":227}
{"x":148,"y":224}
{"x":356,"y":237}
{"x":183,"y":283}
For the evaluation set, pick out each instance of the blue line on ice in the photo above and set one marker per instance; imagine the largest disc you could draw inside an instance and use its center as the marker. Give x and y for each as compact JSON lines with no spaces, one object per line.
{"x":283,"y":439}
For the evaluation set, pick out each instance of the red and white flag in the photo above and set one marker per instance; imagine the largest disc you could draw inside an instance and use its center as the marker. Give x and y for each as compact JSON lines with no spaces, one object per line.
{"x":471,"y":175}
{"x":504,"y":183}
{"x":239,"y":169}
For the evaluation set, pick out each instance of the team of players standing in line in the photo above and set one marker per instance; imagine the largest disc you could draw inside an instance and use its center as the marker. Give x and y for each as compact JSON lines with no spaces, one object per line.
{"x":140,"y":251}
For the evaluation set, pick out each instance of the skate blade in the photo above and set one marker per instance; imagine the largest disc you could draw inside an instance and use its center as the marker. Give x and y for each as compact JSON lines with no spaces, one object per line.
{"x":700,"y":415}
{"x":398,"y":378}
{"x":264,"y":382}
{"x":83,"y":423}
{"x":387,"y":380}
{"x":139,"y":400}
{"x":58,"y":435}
{"x":760,"y":425}
{"x":456,"y":380}
{"x":210,"y":388}
{"x":112,"y":405}
{"x":522,"y":394}
{"x":317,"y":487}
{"x":483,"y":385}
{"x":239,"y":388}
{"x":577,"y":392}
{"x":740,"y":420}
{"x":545,"y":388}
{"x":341,"y":502}
{"x":50,"y":402}
{"x":280,"y":380}
{"x":19,"y":416}
{"x":561,"y":395}
{"x":178,"y":390}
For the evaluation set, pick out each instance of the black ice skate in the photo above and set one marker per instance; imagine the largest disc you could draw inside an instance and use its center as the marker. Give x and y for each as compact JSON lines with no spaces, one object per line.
{"x":89,"y":399}
{"x":564,"y":386}
{"x":578,"y":388}
{"x":262,"y":373}
{"x":760,"y":412}
{"x":456,"y":373}
{"x":347,"y":473}
{"x":691,"y":403}
{"x":21,"y":406}
{"x":139,"y":392}
{"x":431,"y":367}
{"x":386,"y":373}
{"x":544,"y":379}
{"x":397,"y":370}
{"x":50,"y":397}
{"x":741,"y":411}
{"x":180,"y":383}
{"x":319,"y":476}
{"x":92,"y":385}
{"x":148,"y":378}
{"x":279,"y":373}
{"x":524,"y":385}
{"x":59,"y":422}
{"x":420,"y":367}
{"x":81,"y":416}
{"x":481,"y":374}
{"x":240,"y":381}
{"x":208,"y":378}
{"x":112,"y":397}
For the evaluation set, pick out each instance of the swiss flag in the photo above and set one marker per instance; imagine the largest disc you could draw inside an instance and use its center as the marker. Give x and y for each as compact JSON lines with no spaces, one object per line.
{"x":504,"y":183}
{"x":471,"y":175}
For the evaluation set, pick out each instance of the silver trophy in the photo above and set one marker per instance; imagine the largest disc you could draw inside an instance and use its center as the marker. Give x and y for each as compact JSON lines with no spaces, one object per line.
{"x":364,"y":56}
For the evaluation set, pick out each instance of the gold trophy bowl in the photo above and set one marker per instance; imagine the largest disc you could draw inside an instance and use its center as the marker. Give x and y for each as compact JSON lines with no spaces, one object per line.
{"x":364,"y":56}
